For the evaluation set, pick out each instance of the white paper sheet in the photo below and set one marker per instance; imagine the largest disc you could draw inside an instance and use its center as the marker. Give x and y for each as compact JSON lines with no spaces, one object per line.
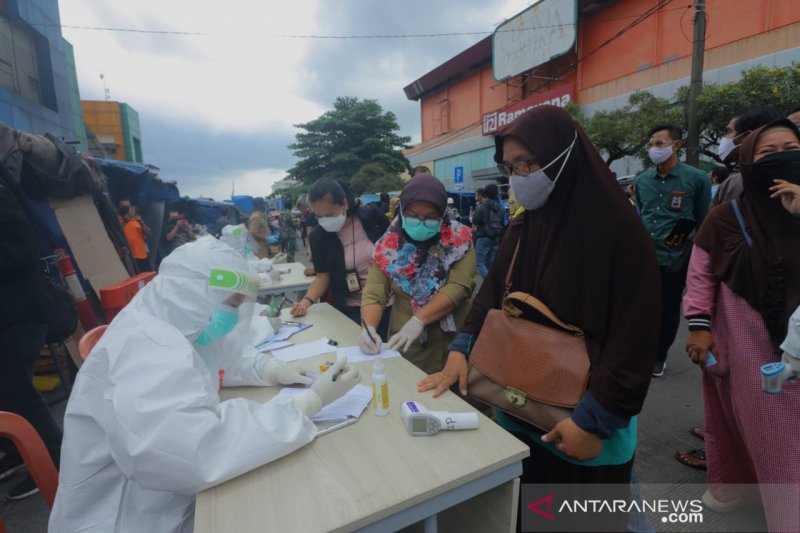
{"x":355,"y":355}
{"x":267,"y":342}
{"x":304,"y":350}
{"x":351,"y":405}
{"x":288,"y":329}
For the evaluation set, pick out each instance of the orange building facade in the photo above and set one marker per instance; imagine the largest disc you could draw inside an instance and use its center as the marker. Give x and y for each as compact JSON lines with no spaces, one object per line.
{"x":461,"y":100}
{"x":116,"y":127}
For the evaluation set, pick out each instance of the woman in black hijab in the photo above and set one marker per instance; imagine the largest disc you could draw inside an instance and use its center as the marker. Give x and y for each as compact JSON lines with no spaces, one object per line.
{"x":585,"y":254}
{"x":742,"y":288}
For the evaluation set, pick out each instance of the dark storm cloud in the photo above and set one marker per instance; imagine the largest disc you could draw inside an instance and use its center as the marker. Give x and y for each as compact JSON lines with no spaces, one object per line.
{"x":186,"y":150}
{"x":358,"y":67}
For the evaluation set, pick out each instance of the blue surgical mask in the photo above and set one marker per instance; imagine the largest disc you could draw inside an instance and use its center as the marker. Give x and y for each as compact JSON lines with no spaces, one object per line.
{"x":421,"y":230}
{"x":223,"y":320}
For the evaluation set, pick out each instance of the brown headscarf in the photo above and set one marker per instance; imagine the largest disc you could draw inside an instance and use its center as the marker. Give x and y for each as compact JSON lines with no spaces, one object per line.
{"x":585,"y":254}
{"x":426,"y":188}
{"x":767,"y":275}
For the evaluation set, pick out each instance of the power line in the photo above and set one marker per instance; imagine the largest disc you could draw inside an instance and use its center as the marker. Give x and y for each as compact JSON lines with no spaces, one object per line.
{"x":639,"y":19}
{"x":318,"y":37}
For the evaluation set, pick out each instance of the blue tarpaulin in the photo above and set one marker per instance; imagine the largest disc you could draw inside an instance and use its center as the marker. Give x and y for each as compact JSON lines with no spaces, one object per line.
{"x":243,"y":204}
{"x":281,"y":203}
{"x":136,"y":182}
{"x":463,"y":201}
{"x":206,"y":212}
{"x":369,"y":198}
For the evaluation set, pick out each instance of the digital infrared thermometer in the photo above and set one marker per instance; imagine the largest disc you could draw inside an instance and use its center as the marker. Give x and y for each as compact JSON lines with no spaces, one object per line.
{"x":422,"y":423}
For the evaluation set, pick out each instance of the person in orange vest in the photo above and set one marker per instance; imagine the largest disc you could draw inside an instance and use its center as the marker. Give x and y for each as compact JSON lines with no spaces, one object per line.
{"x":136,"y":231}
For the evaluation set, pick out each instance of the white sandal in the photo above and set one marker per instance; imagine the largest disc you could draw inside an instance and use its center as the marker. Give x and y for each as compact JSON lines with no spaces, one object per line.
{"x":723,"y":507}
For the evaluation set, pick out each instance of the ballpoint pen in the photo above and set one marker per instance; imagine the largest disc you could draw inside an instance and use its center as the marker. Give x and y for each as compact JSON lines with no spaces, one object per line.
{"x":280,"y":306}
{"x":340,"y":425}
{"x":369,"y":334}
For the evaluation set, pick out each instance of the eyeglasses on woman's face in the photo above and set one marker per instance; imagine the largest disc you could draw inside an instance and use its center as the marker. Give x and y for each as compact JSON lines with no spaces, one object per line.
{"x":521,"y":167}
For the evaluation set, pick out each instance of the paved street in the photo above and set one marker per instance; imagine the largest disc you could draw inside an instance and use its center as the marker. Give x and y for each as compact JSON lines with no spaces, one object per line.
{"x":674,"y":404}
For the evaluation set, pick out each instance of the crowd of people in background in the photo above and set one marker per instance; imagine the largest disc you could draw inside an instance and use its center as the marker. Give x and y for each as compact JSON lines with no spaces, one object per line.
{"x":720,"y":249}
{"x":557,"y":239}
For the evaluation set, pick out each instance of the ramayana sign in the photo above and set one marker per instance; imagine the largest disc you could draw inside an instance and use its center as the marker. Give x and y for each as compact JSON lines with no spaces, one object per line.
{"x":497,"y":120}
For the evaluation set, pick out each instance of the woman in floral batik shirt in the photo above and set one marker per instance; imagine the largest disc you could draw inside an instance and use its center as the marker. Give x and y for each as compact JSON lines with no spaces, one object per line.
{"x":427,"y":261}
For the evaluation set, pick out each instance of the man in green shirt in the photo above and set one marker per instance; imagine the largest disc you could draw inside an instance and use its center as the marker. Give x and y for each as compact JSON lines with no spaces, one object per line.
{"x":665,"y":193}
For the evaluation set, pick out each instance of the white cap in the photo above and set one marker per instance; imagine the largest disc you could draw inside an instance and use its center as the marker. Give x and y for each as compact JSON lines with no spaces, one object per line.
{"x":450,"y":201}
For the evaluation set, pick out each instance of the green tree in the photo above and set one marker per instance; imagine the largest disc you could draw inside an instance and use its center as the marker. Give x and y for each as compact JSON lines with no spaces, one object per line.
{"x":374,"y":178}
{"x":718,"y":104}
{"x":622,"y":132}
{"x":343,"y":140}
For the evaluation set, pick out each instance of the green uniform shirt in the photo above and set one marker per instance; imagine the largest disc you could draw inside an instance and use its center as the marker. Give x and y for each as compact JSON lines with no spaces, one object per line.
{"x":685,"y":192}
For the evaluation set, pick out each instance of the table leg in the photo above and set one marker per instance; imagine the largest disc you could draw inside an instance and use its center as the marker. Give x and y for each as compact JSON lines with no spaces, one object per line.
{"x":430,"y":524}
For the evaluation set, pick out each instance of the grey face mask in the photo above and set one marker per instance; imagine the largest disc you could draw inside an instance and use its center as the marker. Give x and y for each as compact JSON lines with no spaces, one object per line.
{"x":533,"y":190}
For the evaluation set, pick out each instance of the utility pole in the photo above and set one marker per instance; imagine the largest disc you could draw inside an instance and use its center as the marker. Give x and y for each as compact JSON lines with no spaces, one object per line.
{"x":698,"y":51}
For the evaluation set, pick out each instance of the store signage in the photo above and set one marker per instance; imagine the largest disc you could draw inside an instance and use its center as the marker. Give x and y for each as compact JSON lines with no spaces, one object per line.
{"x":497,"y":120}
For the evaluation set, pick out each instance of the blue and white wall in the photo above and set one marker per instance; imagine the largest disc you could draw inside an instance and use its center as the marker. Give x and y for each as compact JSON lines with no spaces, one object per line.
{"x":56,"y":112}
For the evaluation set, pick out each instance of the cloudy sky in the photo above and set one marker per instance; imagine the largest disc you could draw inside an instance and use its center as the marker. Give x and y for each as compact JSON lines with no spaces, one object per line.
{"x":219,"y":108}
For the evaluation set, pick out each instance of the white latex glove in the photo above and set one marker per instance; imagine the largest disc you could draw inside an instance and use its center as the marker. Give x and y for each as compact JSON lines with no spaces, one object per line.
{"x":325,"y":389}
{"x":367,"y":345}
{"x":277,"y":372}
{"x":791,"y":362}
{"x":791,"y":345}
{"x":410,"y":332}
{"x":275,"y":322}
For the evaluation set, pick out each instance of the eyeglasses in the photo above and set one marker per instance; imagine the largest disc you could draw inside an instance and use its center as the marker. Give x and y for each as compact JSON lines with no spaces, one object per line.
{"x":430,"y":223}
{"x":520,"y":168}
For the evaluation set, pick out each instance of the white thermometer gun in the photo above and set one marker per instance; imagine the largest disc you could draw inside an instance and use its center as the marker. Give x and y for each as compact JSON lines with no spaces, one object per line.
{"x":421,"y":422}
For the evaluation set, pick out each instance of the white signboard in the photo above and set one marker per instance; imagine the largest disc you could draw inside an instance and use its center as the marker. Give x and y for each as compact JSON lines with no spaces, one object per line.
{"x":543,"y":31}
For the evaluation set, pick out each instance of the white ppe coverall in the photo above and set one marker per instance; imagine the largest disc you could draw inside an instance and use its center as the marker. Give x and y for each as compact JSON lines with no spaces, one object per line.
{"x":145,"y":429}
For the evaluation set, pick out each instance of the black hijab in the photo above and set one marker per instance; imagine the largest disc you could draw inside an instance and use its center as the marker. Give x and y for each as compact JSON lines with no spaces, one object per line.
{"x":585,"y":254}
{"x":767,"y":275}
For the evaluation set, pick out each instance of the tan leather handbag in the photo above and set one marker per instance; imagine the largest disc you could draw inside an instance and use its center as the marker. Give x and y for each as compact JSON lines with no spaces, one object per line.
{"x":533,"y":372}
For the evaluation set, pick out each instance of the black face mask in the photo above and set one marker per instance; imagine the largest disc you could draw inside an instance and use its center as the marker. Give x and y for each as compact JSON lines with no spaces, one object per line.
{"x":777,"y":166}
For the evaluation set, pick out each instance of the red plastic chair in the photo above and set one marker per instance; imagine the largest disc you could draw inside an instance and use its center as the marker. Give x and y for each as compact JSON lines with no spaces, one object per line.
{"x":33,"y":452}
{"x":89,"y":339}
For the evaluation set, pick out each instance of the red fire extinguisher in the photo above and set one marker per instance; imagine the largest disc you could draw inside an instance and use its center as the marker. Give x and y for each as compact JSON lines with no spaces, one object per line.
{"x":85,"y":313}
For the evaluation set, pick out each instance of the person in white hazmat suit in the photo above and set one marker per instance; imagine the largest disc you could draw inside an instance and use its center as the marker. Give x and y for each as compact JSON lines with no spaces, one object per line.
{"x":145,"y":429}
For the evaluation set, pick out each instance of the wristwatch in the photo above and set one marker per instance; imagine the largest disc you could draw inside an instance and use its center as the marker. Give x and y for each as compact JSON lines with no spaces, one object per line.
{"x":310,"y":301}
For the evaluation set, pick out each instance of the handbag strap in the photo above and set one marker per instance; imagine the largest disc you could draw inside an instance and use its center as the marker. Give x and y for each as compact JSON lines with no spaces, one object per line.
{"x":740,"y":219}
{"x":531,"y":300}
{"x":541,"y":307}
{"x":510,"y":270}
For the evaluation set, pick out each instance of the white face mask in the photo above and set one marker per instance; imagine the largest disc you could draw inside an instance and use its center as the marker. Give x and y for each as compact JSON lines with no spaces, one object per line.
{"x":533,"y":190}
{"x":659,"y":155}
{"x":726,"y":146}
{"x":333,"y":224}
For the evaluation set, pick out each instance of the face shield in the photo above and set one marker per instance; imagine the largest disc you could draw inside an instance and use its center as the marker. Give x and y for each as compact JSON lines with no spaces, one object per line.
{"x":233,"y":294}
{"x":238,"y":238}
